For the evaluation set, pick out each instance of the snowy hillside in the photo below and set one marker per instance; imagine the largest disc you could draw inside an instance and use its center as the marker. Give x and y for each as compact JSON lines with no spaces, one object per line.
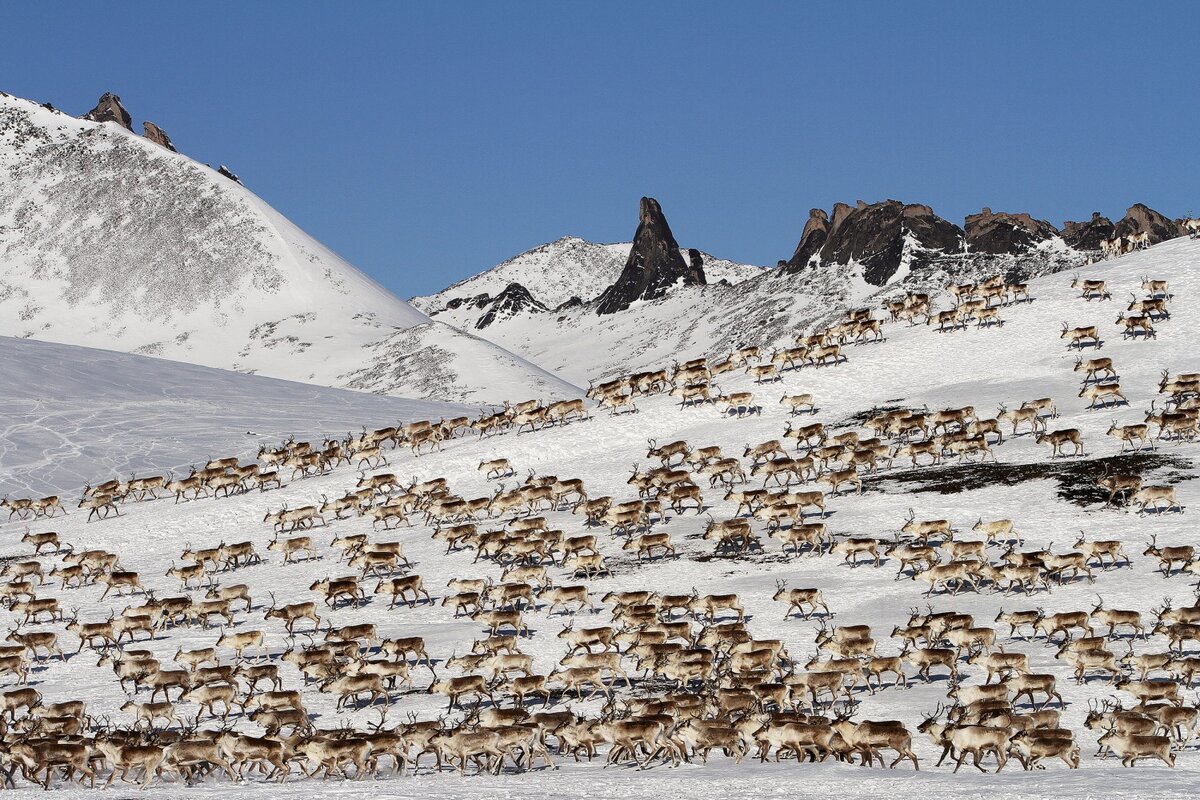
{"x":560,"y":270}
{"x":691,"y":321}
{"x":1049,"y":500}
{"x":72,"y":414}
{"x":108,"y":240}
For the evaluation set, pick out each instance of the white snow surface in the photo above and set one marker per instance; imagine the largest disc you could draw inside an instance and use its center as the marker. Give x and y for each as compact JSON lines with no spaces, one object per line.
{"x":71,"y":413}
{"x":108,"y":240}
{"x":569,"y":267}
{"x":1024,"y":359}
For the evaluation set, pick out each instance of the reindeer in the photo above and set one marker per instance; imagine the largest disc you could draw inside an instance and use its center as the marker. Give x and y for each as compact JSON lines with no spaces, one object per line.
{"x":1091,"y":288}
{"x":1029,"y":415}
{"x":1125,"y":485}
{"x":1156,"y":496}
{"x":1135,"y":325}
{"x":1107,"y":393}
{"x":1112,"y":548}
{"x":1077,"y":336}
{"x":796,"y":402}
{"x":1167,"y":556}
{"x":1158,"y":288}
{"x":291,"y":614}
{"x":289,"y":547}
{"x":1128,"y":434}
{"x":496,"y":468}
{"x":1095,"y":369}
{"x":1058,"y":439}
{"x":40,"y":540}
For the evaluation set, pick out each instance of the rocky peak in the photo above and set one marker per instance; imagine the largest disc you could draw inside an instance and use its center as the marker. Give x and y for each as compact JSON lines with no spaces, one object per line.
{"x":157,"y":135}
{"x":1141,"y":217}
{"x":1088,"y":235}
{"x":654,"y":263}
{"x":228,"y":173}
{"x":512,"y":301}
{"x":1000,"y":233}
{"x":840,"y":212}
{"x":695,"y":273}
{"x":874,"y":235}
{"x":109,"y":109}
{"x":815,"y":232}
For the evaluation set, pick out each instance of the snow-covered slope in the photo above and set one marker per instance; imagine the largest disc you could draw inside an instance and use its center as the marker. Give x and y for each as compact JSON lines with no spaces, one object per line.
{"x":108,"y":240}
{"x":1049,"y":500}
{"x":71,"y":414}
{"x":768,"y":308}
{"x":570,"y":267}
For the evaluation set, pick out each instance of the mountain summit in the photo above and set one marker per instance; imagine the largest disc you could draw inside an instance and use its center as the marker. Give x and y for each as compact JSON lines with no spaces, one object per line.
{"x":112,"y":240}
{"x":654,"y":263}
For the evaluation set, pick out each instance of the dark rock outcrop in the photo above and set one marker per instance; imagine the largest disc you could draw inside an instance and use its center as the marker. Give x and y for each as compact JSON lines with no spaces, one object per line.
{"x":1088,"y":235}
{"x":109,"y":109}
{"x":812,"y":238}
{"x":157,"y":135}
{"x":695,"y":273}
{"x":654,"y":264}
{"x":512,"y":301}
{"x":1141,"y":217}
{"x":228,"y":173}
{"x":840,"y":212}
{"x":1001,"y":233}
{"x":874,"y":236}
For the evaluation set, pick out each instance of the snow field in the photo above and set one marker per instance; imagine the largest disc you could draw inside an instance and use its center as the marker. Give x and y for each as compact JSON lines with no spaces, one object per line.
{"x":1023,"y":360}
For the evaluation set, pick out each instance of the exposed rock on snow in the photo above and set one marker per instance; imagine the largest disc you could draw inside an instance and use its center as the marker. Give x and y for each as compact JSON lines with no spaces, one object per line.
{"x":1000,"y":233}
{"x":157,"y":135}
{"x":882,"y":236}
{"x":654,"y":263}
{"x":515,"y":299}
{"x":228,"y":173}
{"x":1087,"y":236}
{"x":556,"y":272}
{"x":816,"y":231}
{"x":109,"y":109}
{"x":1141,"y":217}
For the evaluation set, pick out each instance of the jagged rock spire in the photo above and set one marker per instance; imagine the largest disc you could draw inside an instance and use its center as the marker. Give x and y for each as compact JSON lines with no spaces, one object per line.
{"x":157,"y":135}
{"x":654,"y":263}
{"x":109,"y":109}
{"x":1141,"y":217}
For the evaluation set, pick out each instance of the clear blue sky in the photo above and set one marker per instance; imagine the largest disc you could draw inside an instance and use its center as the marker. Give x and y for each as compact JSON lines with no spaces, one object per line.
{"x":426,"y":142}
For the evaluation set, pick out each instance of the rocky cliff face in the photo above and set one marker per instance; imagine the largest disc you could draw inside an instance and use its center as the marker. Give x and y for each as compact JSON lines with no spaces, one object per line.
{"x":816,"y":231}
{"x":654,"y":263}
{"x":109,"y":109}
{"x":157,"y":135}
{"x":1002,"y":233}
{"x":1086,"y":236}
{"x":1141,"y":217}
{"x":882,"y":236}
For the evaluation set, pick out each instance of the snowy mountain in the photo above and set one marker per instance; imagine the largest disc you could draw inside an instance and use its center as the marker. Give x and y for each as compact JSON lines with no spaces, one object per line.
{"x":858,"y":255}
{"x":108,"y":239}
{"x":769,"y":308}
{"x":556,"y":272}
{"x":1051,"y":502}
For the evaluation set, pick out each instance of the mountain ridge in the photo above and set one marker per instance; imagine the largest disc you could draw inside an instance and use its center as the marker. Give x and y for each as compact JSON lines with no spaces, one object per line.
{"x":110,"y":240}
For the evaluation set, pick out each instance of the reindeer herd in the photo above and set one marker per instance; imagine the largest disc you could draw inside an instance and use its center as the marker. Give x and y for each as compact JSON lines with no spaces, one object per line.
{"x":641,"y":677}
